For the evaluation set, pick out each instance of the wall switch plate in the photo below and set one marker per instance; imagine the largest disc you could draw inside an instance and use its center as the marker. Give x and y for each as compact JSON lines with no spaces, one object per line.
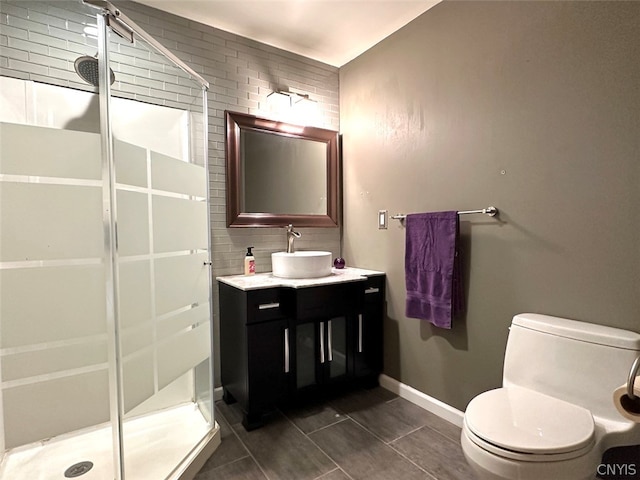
{"x":382,"y":219}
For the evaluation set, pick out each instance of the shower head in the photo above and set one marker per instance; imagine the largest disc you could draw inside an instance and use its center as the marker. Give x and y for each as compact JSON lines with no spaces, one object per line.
{"x":87,"y":68}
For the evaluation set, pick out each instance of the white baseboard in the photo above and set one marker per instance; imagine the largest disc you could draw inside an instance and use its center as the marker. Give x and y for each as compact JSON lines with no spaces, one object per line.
{"x":435,"y":406}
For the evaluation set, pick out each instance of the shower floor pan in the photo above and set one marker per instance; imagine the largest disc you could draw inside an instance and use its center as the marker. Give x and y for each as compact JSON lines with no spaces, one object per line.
{"x":154,"y":445}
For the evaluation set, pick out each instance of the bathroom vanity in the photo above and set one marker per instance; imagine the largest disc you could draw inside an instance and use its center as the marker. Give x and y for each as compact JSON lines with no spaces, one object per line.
{"x":283,"y":340}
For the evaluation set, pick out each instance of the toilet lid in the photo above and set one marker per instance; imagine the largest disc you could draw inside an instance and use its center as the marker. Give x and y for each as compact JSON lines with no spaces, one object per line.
{"x":525,"y":421}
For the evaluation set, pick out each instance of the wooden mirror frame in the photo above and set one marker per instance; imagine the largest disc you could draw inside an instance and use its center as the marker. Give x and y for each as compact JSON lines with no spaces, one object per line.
{"x":234,"y":123}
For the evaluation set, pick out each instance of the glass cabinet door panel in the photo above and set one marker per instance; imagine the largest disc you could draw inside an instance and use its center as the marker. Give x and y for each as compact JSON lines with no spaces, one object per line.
{"x":337,"y":346}
{"x":306,"y":354}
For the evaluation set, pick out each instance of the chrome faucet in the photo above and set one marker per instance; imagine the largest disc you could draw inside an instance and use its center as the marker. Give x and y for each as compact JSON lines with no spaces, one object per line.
{"x":291,"y":236}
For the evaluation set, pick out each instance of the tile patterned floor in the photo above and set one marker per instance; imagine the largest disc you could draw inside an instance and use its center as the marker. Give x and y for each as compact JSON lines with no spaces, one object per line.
{"x":366,"y":434}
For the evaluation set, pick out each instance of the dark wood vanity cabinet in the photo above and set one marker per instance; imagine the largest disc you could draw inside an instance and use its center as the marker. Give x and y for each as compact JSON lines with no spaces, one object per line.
{"x":254,"y":350}
{"x":285,"y":344}
{"x":367,"y":361}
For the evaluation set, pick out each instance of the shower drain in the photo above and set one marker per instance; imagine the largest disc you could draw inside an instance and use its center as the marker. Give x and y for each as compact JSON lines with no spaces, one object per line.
{"x":78,"y":469}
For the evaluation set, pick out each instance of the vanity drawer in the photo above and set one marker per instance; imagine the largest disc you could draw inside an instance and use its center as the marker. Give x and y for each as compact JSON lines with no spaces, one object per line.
{"x":329,"y":300}
{"x":265,"y":304}
{"x":374,"y":289}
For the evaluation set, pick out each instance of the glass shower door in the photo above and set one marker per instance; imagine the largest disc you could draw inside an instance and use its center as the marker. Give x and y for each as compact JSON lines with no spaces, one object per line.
{"x":105,"y":331}
{"x":162,"y":273}
{"x":52,"y":305}
{"x":54,"y":371}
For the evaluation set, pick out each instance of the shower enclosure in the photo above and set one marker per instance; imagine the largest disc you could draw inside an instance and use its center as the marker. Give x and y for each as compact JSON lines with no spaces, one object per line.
{"x":105,"y":272}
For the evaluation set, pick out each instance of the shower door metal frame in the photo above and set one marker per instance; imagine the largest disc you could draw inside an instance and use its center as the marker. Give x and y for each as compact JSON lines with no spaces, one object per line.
{"x":111,"y":272}
{"x":112,"y":18}
{"x":116,"y":16}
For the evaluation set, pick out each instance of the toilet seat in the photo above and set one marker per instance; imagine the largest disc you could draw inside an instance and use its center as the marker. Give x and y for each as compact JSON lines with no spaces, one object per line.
{"x":519,"y":423}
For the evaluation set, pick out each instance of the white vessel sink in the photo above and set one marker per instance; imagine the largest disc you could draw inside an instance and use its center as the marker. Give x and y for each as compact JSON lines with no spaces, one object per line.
{"x":301,"y":264}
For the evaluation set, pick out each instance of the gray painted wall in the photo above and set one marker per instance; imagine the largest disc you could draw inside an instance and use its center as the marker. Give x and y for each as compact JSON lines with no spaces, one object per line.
{"x":533,"y":107}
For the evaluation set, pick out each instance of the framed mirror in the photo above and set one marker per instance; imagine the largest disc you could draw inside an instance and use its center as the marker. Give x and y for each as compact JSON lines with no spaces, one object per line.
{"x":279,"y":173}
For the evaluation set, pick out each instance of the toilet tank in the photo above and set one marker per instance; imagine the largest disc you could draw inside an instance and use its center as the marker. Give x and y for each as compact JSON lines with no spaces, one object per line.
{"x":579,"y":362}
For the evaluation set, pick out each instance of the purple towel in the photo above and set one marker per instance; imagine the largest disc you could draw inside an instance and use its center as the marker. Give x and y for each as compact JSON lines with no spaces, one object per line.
{"x":432,"y":267}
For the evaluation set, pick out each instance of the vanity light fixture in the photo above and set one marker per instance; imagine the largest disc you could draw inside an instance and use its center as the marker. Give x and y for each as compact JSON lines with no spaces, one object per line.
{"x":293,"y":107}
{"x":278,"y":102}
{"x":303,"y":107}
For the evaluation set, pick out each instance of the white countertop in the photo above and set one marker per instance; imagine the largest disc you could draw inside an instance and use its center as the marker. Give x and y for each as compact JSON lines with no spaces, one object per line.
{"x":267,"y":280}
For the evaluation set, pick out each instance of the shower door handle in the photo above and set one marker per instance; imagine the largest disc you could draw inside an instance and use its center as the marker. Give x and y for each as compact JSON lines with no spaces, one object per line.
{"x":359,"y":333}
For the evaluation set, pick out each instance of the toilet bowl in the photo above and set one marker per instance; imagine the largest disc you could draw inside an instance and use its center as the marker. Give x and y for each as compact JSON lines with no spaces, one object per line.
{"x":554,"y":416}
{"x":515,"y":433}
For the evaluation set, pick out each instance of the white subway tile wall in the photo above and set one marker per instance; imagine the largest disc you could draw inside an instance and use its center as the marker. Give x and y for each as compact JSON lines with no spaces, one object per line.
{"x":40,"y":40}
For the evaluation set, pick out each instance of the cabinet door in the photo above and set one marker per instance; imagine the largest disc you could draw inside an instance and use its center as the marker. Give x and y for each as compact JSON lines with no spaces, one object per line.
{"x":368,"y":328}
{"x":269,"y":364}
{"x":337,"y":357}
{"x":307,"y":354}
{"x":322,"y":355}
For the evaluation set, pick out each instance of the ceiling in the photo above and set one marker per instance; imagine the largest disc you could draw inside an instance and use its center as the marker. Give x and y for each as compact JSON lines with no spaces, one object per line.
{"x":330,"y":31}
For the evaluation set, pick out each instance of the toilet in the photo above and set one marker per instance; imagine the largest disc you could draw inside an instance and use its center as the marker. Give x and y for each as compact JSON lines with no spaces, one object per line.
{"x":554,"y":416}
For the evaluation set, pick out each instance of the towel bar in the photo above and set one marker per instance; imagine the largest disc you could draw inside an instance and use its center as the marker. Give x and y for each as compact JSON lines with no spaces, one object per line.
{"x":491,"y":211}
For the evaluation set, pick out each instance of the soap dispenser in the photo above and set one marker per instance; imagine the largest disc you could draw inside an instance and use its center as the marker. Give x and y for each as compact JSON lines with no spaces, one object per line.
{"x":249,"y":263}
